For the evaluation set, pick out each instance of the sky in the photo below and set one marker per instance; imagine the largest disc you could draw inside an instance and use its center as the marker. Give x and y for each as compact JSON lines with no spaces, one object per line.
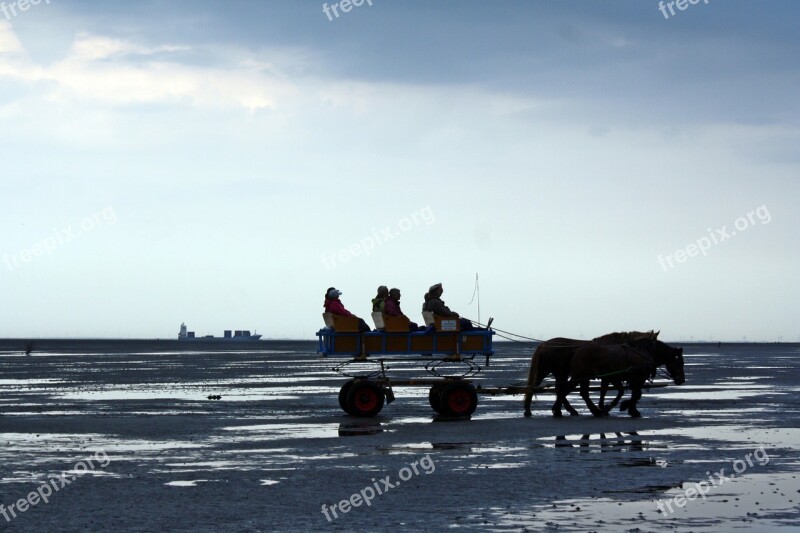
{"x":599,"y":166}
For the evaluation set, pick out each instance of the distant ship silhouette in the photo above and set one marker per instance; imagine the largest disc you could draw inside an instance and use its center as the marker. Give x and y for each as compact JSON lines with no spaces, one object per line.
{"x":229,"y":336}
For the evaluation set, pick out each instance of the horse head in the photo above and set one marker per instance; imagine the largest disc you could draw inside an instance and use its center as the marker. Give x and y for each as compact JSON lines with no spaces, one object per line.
{"x":675,"y":366}
{"x":672,"y":358}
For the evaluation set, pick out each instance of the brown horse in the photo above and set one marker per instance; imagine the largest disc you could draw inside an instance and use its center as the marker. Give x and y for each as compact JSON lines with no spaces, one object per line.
{"x":633,"y":363}
{"x":554,"y":356}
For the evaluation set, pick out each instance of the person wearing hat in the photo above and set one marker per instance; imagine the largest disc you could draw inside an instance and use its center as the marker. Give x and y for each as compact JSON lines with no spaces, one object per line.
{"x":392,"y":308}
{"x":434,"y":304}
{"x":335,"y":306}
{"x":379,"y":301}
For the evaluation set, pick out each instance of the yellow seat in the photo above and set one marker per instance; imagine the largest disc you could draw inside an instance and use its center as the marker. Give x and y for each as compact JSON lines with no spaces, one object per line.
{"x":396,"y":324}
{"x":341,"y":324}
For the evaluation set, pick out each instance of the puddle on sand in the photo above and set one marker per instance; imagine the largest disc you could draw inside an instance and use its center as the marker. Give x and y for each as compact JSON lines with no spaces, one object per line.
{"x":186,"y":394}
{"x":750,"y":436}
{"x":192,"y":483}
{"x":29,"y":383}
{"x":724,"y":386}
{"x":418,"y":447}
{"x":412,"y":420}
{"x":492,"y":466}
{"x":709,"y":395}
{"x":499,"y":449}
{"x":289,"y":431}
{"x":762,"y":502}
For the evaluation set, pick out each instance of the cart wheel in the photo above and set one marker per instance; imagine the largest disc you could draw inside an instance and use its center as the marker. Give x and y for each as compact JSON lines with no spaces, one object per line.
{"x":365,"y":398}
{"x":458,"y":399}
{"x":434,"y":397}
{"x":343,"y":395}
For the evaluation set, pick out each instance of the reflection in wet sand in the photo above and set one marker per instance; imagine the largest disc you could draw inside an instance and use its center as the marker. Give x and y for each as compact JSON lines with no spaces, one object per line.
{"x":353,"y":429}
{"x":603,"y":442}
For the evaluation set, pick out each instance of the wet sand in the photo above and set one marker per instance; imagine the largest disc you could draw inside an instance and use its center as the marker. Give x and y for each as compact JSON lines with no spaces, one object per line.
{"x":275,"y":447}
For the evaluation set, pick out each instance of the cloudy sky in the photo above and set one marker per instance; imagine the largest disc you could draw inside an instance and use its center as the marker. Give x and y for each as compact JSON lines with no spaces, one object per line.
{"x":601,"y":166}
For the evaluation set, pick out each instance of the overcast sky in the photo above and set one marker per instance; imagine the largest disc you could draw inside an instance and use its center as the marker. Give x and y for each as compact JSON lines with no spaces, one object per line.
{"x":601,"y":166}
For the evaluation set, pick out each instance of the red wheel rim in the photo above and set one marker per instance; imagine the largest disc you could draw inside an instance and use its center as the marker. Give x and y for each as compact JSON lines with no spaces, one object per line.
{"x":366,"y":400}
{"x":459,"y":401}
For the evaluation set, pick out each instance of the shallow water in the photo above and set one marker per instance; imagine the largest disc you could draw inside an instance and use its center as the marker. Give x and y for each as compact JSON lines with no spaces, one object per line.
{"x":258,"y":439}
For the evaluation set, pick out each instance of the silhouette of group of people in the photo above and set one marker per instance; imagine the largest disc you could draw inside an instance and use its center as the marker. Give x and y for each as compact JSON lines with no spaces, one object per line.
{"x":387,"y":302}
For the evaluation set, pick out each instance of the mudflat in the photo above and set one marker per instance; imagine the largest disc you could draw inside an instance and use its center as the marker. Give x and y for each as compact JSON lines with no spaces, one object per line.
{"x":155,"y":436}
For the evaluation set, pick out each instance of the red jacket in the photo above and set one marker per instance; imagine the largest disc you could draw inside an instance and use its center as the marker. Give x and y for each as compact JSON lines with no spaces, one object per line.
{"x":336,"y":307}
{"x":392,"y":307}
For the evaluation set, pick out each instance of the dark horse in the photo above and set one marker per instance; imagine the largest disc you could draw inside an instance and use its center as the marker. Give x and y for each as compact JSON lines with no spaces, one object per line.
{"x":554,"y":357}
{"x":633,"y":363}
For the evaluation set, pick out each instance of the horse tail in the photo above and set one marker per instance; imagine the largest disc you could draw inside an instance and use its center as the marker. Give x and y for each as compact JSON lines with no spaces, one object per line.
{"x":533,"y":374}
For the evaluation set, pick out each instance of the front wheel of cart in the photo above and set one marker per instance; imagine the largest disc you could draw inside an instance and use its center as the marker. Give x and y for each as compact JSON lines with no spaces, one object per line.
{"x":458,"y":399}
{"x":365,"y":399}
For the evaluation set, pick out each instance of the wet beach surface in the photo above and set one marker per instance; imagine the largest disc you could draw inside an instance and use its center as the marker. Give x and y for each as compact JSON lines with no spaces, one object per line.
{"x":194,"y":437}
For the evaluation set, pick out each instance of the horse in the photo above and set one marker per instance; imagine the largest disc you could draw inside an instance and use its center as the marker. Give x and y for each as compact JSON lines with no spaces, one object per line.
{"x":554,"y":356}
{"x":633,"y":363}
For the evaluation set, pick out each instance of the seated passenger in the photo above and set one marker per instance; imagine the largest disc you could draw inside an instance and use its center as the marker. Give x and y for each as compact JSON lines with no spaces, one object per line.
{"x":380,"y":300}
{"x":434,"y":304}
{"x":392,"y":308}
{"x":334,"y":306}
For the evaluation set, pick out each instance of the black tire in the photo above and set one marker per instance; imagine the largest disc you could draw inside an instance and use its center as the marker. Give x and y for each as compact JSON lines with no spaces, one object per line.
{"x":434,"y":397}
{"x":343,"y":395}
{"x":458,"y":399}
{"x":365,"y":398}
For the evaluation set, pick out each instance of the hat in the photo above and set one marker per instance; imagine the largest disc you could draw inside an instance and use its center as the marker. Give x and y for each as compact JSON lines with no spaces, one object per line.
{"x":434,"y":287}
{"x":333,"y":293}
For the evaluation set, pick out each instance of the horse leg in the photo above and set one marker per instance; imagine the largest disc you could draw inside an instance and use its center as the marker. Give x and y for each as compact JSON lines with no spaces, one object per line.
{"x":563,"y":389}
{"x":569,"y":387}
{"x":561,"y":397}
{"x":569,"y":408}
{"x":532,"y":376}
{"x":564,"y":386}
{"x":528,"y":397}
{"x":604,"y":383}
{"x":636,"y":394}
{"x":527,"y":403}
{"x":603,"y":390}
{"x":620,"y":391}
{"x":588,"y":399}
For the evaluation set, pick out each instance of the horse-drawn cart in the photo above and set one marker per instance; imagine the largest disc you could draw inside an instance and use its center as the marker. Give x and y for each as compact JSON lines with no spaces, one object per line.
{"x":449,"y":356}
